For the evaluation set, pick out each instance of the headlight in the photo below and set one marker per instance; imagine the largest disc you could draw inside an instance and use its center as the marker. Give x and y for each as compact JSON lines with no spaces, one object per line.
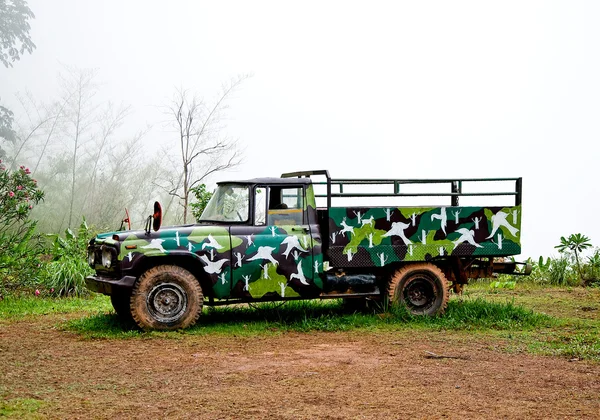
{"x":106,"y":257}
{"x":91,"y":257}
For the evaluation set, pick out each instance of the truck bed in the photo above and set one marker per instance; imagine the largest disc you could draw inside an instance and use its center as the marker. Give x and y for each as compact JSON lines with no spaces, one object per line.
{"x":378,"y":236}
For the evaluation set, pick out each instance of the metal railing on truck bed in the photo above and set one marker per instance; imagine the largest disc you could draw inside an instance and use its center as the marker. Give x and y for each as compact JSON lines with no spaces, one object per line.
{"x":456,"y":187}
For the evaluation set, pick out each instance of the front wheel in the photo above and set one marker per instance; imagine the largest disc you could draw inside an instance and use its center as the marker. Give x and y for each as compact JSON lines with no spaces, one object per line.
{"x":166,"y":297}
{"x":422,"y":288}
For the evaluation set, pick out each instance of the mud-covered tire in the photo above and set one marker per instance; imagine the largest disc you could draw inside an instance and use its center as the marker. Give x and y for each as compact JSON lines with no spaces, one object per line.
{"x":121,"y":302}
{"x":422,"y":288}
{"x":166,"y":297}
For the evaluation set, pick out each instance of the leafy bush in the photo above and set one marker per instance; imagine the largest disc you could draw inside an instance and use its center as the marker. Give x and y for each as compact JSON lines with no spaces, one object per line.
{"x":20,"y":247}
{"x":202,"y":197}
{"x":592,"y":269}
{"x":66,"y":273}
{"x":561,"y":272}
{"x":576,"y":243}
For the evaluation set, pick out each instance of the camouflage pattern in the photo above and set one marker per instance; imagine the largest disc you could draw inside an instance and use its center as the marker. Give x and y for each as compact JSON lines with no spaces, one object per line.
{"x":380,"y":236}
{"x":286,"y":259}
{"x":241,"y":261}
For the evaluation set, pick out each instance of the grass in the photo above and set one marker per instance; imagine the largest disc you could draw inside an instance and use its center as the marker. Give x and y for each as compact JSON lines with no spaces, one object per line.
{"x":21,"y":408}
{"x":12,"y":308}
{"x":530,"y":318}
{"x":307,"y":316}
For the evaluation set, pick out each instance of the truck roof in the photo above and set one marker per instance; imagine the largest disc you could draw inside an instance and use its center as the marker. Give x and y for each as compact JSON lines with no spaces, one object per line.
{"x":269,"y":181}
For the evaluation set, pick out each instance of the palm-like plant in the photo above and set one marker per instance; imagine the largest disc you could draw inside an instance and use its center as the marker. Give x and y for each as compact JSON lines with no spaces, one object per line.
{"x":575,"y":243}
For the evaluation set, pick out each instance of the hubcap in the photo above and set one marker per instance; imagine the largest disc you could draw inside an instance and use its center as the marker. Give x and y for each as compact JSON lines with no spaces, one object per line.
{"x":167,"y":302}
{"x":419,"y":293}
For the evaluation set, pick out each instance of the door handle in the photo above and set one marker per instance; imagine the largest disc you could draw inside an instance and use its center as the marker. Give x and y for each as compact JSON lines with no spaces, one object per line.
{"x":300,"y":229}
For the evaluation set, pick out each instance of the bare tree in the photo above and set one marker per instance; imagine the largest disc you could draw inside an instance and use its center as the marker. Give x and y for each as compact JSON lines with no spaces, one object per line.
{"x":78,"y":86}
{"x":203,"y":149}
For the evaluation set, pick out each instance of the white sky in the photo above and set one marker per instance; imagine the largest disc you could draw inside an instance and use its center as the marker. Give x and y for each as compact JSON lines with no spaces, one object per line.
{"x":392,"y":89}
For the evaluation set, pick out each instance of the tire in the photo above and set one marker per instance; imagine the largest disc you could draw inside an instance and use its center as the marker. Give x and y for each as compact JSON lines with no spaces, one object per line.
{"x":422,"y":288}
{"x":166,"y":297}
{"x":121,"y":302}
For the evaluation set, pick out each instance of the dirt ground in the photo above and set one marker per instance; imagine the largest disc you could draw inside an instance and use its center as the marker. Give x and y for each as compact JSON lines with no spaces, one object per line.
{"x":288,"y":376}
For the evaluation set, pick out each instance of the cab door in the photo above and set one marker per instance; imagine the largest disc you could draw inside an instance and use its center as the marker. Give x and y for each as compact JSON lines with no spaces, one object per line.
{"x":275,"y":259}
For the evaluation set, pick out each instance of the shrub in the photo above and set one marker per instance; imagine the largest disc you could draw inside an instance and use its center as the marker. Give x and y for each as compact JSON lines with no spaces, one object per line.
{"x":592,"y":269}
{"x":202,"y":198}
{"x":576,"y":244}
{"x":66,"y":273}
{"x":20,"y":247}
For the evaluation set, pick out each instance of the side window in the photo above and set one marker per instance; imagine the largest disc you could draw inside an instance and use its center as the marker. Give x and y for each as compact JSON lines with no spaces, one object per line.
{"x":286,"y":206}
{"x":260,"y":205}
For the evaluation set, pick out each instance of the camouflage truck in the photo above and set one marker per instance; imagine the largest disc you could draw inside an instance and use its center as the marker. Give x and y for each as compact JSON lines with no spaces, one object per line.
{"x":266,"y":239}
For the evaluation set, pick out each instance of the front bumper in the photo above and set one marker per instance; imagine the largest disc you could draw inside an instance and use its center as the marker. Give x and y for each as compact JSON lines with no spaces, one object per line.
{"x":107,"y":285}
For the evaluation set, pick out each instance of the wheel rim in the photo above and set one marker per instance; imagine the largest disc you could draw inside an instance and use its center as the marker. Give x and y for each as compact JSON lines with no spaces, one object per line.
{"x":419,"y":293}
{"x":167,"y":302}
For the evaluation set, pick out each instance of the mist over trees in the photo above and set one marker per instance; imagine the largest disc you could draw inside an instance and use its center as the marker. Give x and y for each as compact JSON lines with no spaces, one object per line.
{"x":86,"y":160}
{"x":89,"y":166}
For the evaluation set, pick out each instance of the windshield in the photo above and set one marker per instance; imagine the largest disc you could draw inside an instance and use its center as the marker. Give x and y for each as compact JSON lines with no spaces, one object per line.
{"x":229,"y":203}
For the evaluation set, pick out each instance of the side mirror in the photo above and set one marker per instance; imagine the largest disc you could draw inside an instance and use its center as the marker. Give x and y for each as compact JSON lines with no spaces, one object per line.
{"x":157,"y":216}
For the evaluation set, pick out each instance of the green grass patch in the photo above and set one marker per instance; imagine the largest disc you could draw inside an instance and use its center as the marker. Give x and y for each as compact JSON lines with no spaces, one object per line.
{"x":21,"y":408}
{"x":307,"y":316}
{"x":20,"y":307}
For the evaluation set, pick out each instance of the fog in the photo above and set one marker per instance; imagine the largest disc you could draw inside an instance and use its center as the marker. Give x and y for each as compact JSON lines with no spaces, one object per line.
{"x":375,"y":90}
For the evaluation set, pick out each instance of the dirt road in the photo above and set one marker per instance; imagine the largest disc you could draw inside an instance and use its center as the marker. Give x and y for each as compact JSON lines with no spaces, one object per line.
{"x":288,"y":376}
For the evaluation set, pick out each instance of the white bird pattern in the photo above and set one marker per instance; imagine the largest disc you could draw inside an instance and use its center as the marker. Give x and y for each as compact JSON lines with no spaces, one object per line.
{"x":466,"y":235}
{"x":398,"y":229}
{"x":213,"y":267}
{"x":299,"y":275}
{"x":155,"y":244}
{"x":443,"y":218}
{"x":292,"y":243}
{"x":212,"y":242}
{"x":499,"y":220}
{"x":264,"y":253}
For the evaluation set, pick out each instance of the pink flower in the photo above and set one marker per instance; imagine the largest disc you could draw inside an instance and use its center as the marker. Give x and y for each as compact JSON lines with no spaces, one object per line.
{"x":30,"y":207}
{"x":37,"y":292}
{"x":11,"y":194}
{"x":20,"y":187}
{"x":27,"y":171}
{"x":52,"y":290}
{"x":34,"y":181}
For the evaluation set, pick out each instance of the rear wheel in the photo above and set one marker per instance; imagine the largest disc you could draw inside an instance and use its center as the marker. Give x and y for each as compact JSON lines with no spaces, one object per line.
{"x":422,"y":288}
{"x":166,"y":297}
